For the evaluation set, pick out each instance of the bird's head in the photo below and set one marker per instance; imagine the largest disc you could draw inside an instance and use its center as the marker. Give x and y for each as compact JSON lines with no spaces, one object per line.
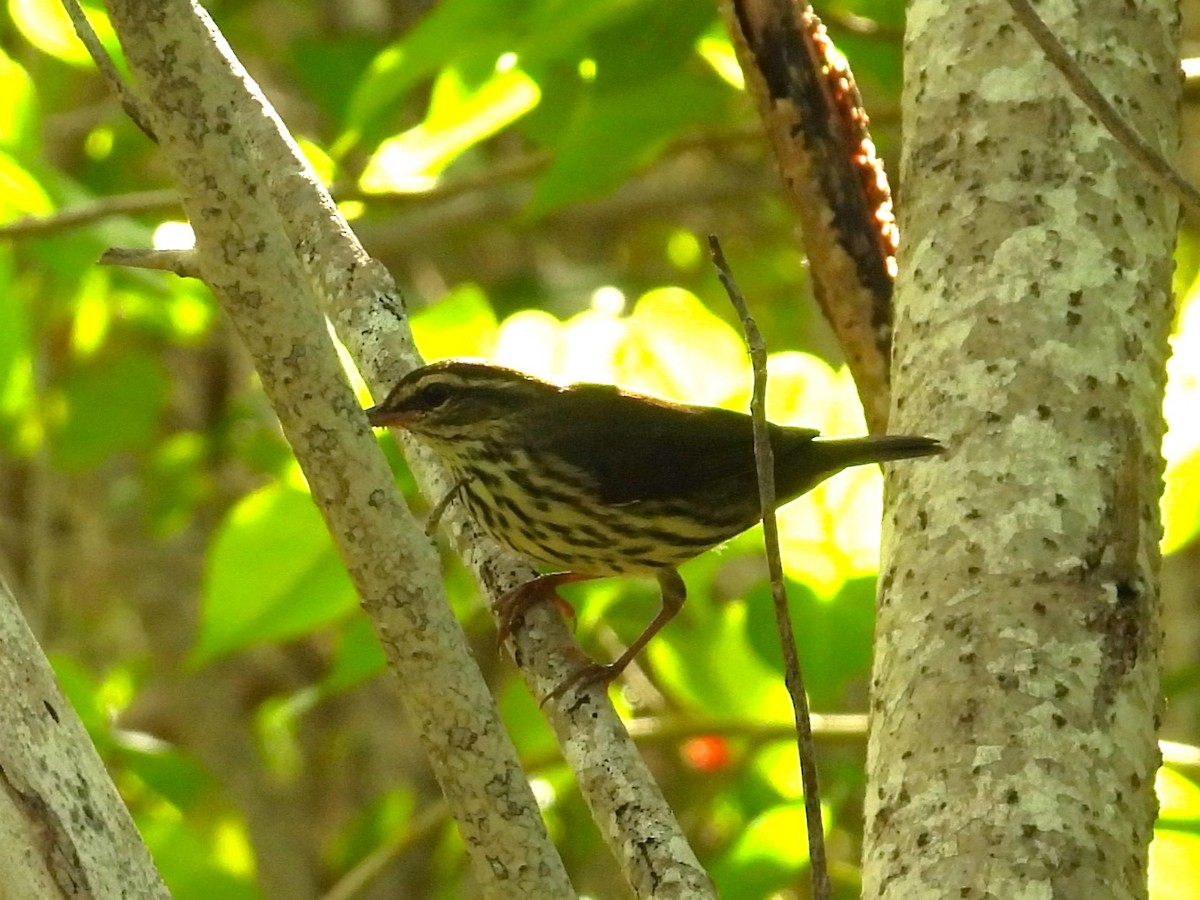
{"x":454,"y":399}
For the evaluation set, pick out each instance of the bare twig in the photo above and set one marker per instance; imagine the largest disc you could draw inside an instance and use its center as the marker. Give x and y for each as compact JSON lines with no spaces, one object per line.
{"x":86,"y":213}
{"x":1151,"y":159}
{"x":765,"y":460}
{"x":130,"y":102}
{"x":181,"y":262}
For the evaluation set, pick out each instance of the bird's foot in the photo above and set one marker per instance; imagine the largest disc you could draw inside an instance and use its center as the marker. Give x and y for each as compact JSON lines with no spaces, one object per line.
{"x":513,"y":605}
{"x":585,"y":676}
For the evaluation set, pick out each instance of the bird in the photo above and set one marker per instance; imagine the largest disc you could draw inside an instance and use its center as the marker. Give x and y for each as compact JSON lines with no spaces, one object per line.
{"x":597,"y":481}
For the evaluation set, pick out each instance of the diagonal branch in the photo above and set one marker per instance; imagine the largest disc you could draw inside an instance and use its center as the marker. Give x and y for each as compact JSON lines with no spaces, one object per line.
{"x":272,"y":244}
{"x":203,"y":109}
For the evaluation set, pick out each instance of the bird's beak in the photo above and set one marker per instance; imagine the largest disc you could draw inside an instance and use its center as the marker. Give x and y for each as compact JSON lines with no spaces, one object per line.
{"x":381,"y":417}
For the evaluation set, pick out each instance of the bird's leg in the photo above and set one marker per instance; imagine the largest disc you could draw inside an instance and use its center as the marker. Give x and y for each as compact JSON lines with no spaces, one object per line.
{"x":674,"y":592}
{"x":513,"y":605}
{"x":439,"y":508}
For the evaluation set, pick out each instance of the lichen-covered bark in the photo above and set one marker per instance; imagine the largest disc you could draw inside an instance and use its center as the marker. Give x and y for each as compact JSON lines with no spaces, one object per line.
{"x":205,"y":114}
{"x":1015,"y":692}
{"x":64,"y":830}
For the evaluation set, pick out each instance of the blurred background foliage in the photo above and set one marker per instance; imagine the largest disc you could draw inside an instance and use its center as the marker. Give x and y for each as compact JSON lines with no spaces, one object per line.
{"x":540,"y":176}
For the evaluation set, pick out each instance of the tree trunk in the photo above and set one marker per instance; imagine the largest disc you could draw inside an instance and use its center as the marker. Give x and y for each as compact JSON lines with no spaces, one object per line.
{"x":1016,"y":684}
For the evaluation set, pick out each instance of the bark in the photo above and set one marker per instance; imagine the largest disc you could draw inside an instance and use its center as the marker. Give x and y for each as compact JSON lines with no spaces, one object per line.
{"x":64,"y":830}
{"x":814,"y":119}
{"x":1016,"y":685}
{"x":270,"y":242}
{"x":203,"y":114}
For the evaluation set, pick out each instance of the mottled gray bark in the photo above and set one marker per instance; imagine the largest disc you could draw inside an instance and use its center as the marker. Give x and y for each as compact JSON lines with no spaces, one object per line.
{"x":1015,"y":692}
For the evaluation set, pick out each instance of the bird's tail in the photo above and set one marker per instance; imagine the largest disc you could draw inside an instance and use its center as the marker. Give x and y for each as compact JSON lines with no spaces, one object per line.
{"x":842,"y":453}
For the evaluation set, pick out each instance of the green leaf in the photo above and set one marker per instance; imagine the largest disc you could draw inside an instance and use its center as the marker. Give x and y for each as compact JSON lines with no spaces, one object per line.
{"x":17,"y":397}
{"x":83,"y":693}
{"x":168,"y":771}
{"x":833,"y":638}
{"x":21,"y":194}
{"x":453,"y":33}
{"x":18,"y":123}
{"x":328,"y":68}
{"x":111,"y":404}
{"x":460,"y":324}
{"x":743,"y":685}
{"x":357,"y":658}
{"x":381,"y":822}
{"x":45,"y":24}
{"x":199,"y":862}
{"x":1181,"y":504}
{"x":767,"y":855}
{"x":619,"y":130}
{"x":458,"y":119}
{"x":1175,"y":852}
{"x":272,"y":574}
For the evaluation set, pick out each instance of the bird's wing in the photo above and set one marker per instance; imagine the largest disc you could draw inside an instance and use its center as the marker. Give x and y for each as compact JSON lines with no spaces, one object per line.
{"x":644,"y":449}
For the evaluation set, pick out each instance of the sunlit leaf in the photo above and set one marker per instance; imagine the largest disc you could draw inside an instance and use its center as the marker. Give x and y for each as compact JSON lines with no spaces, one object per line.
{"x":45,"y":24}
{"x":16,"y":366}
{"x":768,"y":854}
{"x":409,"y":160}
{"x":590,"y":346}
{"x":831,"y":534}
{"x":460,"y":324}
{"x":1183,"y":382}
{"x":453,"y":31}
{"x":716,"y":49}
{"x":198,"y":862}
{"x":18,"y":129}
{"x":20,"y":193}
{"x":1181,"y":504}
{"x":678,"y":348}
{"x":1175,"y":851}
{"x":1181,"y":444}
{"x":272,"y":574}
{"x":530,"y":341}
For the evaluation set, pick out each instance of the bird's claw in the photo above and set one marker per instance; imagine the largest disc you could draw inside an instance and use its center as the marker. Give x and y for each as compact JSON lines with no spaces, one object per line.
{"x":514,"y":604}
{"x":585,"y":676}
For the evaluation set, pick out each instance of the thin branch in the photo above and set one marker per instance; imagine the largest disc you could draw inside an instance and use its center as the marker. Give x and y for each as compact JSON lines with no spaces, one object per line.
{"x":208,"y":113}
{"x":192,"y":90}
{"x":765,"y":460}
{"x":1155,"y":164}
{"x":130,"y":102}
{"x":370,"y":868}
{"x":479,"y":185}
{"x":93,"y":211}
{"x":181,"y":262}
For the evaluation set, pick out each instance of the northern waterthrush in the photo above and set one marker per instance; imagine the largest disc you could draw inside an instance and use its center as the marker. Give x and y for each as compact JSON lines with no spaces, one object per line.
{"x":600,"y":481}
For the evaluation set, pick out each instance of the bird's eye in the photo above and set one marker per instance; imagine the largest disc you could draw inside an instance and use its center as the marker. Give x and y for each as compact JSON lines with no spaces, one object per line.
{"x":434,"y":395}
